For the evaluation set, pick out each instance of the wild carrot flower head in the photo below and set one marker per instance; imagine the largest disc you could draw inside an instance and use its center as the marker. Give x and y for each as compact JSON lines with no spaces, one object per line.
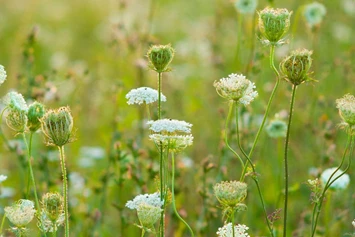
{"x":236,"y":87}
{"x":314,"y":13}
{"x":143,"y":95}
{"x":57,"y":125}
{"x":149,"y":199}
{"x":148,"y":215}
{"x":277,"y":128}
{"x":227,"y":231}
{"x":274,"y":24}
{"x":340,"y":184}
{"x":296,"y":66}
{"x":2,"y":74}
{"x":168,"y":126}
{"x":230,"y":193}
{"x":2,"y":178}
{"x":160,"y":56}
{"x":15,"y":100}
{"x":52,"y":214}
{"x":346,"y":106}
{"x":246,"y":6}
{"x":20,"y":213}
{"x":34,"y":114}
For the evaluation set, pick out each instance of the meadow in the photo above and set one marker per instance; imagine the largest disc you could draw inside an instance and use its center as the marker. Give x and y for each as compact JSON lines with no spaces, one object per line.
{"x":88,"y":55}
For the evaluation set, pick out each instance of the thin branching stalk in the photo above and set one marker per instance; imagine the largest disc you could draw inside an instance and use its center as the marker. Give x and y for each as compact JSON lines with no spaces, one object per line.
{"x":65,"y":189}
{"x":317,"y":208}
{"x":173,"y":194}
{"x":233,"y":224}
{"x":286,"y":157}
{"x":159,"y":94}
{"x":230,"y":112}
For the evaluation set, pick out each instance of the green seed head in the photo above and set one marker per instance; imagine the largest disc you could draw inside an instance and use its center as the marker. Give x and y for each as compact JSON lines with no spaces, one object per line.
{"x":35,"y":113}
{"x":346,"y":106}
{"x":16,"y":119}
{"x":148,"y":215}
{"x":53,"y":205}
{"x":274,"y":24}
{"x":295,"y":67}
{"x":57,"y":125}
{"x":230,"y":193}
{"x":160,"y":56}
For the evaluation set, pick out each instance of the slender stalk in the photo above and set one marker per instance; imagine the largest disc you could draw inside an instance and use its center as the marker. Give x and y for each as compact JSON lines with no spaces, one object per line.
{"x":272,"y":65}
{"x":233,"y":224}
{"x":173,"y":194}
{"x":318,"y":206}
{"x":286,"y":158}
{"x":159,"y":94}
{"x":2,"y":223}
{"x":29,"y":153}
{"x":226,"y":133}
{"x":143,"y":232}
{"x":65,"y":189}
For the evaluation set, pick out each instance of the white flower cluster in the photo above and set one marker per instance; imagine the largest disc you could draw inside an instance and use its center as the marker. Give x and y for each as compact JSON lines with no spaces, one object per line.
{"x":143,"y":95}
{"x":353,"y":223}
{"x":314,"y":13}
{"x":2,"y":74}
{"x":2,"y":178}
{"x":169,"y":126}
{"x":227,"y":231}
{"x":20,"y":213}
{"x":346,"y":106}
{"x":47,"y":225}
{"x":149,"y":199}
{"x":340,"y":184}
{"x":246,"y":6}
{"x":15,"y":100}
{"x":236,"y":87}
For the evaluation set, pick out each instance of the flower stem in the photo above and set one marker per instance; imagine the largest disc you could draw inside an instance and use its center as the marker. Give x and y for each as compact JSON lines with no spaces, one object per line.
{"x":159,"y":94}
{"x":233,"y":224}
{"x":286,"y":158}
{"x":2,"y":223}
{"x":173,"y":194}
{"x":330,"y":181}
{"x":65,"y":189}
{"x":226,"y":133}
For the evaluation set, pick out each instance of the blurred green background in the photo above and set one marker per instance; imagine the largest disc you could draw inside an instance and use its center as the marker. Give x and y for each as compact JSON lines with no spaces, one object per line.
{"x":89,"y":54}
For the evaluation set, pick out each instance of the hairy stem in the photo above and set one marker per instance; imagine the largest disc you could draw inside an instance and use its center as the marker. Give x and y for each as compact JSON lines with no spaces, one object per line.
{"x":65,"y":189}
{"x":286,"y":158}
{"x":173,"y":194}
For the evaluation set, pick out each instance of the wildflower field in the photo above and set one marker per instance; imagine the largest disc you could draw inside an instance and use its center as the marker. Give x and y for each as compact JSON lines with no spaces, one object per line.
{"x":229,"y":118}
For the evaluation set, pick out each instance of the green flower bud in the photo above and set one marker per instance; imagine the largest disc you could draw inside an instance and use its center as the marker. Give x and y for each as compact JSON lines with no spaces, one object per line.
{"x":230,"y":193}
{"x":346,"y":106}
{"x":16,"y":119}
{"x":274,"y":24}
{"x":57,"y":126}
{"x":148,"y":215}
{"x":34,"y":114}
{"x":295,"y":67}
{"x":160,"y":56}
{"x":53,"y":205}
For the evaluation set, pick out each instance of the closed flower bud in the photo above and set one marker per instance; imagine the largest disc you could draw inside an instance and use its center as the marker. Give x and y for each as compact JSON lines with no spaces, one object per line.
{"x":148,"y":215}
{"x":274,"y":24}
{"x":230,"y":193}
{"x":295,"y":67}
{"x":34,"y":114}
{"x":52,"y":214}
{"x":160,"y":56}
{"x":16,"y":119}
{"x":57,"y":125}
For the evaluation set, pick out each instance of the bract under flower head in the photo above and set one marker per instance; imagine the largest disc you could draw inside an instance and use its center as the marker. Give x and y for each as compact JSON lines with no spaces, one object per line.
{"x":346,"y":106}
{"x":314,"y":13}
{"x":143,"y":95}
{"x":236,"y":87}
{"x":169,"y":126}
{"x":340,"y":184}
{"x":2,"y":74}
{"x":149,"y":199}
{"x":148,"y":215}
{"x":20,"y":213}
{"x":175,"y":143}
{"x":274,"y":24}
{"x":227,"y":231}
{"x":246,"y":6}
{"x":230,"y":193}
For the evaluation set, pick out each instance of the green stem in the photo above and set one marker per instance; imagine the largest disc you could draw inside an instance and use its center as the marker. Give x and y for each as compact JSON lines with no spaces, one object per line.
{"x":159,"y":94}
{"x":29,"y":154}
{"x":233,"y":224}
{"x":65,"y":189}
{"x":173,"y":194}
{"x":2,"y":223}
{"x":143,"y":232}
{"x":286,"y":157}
{"x":231,"y":103}
{"x":330,"y":181}
{"x":161,"y":174}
